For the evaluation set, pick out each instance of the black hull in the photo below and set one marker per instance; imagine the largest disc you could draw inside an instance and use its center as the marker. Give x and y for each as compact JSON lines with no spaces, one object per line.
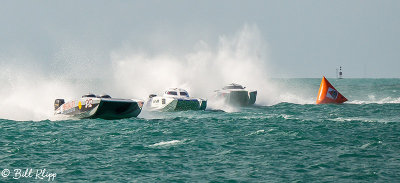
{"x":252,"y":98}
{"x":101,"y":108}
{"x":116,"y":110}
{"x":239,"y":98}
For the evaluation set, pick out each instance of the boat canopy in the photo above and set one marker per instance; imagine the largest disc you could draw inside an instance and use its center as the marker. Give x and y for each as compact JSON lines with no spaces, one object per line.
{"x":89,"y":95}
{"x":233,"y":86}
{"x":104,"y":96}
{"x":95,"y":96}
{"x":177,"y":92}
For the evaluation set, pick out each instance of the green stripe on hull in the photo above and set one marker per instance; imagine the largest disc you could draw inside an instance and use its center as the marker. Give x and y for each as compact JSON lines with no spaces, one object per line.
{"x":203,"y":105}
{"x":183,"y":105}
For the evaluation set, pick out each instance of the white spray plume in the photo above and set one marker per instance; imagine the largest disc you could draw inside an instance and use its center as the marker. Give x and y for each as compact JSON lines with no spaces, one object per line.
{"x":29,"y":95}
{"x":241,"y":58}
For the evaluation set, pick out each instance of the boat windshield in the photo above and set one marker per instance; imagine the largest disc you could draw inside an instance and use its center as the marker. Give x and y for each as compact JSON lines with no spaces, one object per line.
{"x":172,"y":93}
{"x":105,"y":96}
{"x":89,"y":95}
{"x":233,"y":87}
{"x":183,"y":94}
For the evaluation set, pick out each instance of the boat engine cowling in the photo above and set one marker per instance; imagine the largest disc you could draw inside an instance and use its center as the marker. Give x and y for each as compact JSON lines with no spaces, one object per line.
{"x":58,"y":103}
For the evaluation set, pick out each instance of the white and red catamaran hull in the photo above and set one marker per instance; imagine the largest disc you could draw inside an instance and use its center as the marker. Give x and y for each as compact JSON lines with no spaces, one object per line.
{"x":105,"y":108}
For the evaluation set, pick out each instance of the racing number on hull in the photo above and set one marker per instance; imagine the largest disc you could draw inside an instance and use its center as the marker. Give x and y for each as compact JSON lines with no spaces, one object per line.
{"x":88,"y":103}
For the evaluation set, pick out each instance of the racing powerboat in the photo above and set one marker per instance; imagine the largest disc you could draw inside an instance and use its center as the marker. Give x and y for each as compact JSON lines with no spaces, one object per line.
{"x":92,"y":106}
{"x":237,"y":95}
{"x":175,"y":99}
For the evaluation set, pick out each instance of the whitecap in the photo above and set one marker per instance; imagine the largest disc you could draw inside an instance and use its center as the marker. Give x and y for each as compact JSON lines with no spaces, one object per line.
{"x":365,"y":145}
{"x":167,"y":143}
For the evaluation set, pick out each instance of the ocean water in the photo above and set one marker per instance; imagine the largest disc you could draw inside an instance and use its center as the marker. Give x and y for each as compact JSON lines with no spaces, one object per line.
{"x":292,"y":140}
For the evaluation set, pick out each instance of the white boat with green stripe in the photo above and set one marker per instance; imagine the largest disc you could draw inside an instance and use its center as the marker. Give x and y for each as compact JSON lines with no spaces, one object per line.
{"x":175,"y":99}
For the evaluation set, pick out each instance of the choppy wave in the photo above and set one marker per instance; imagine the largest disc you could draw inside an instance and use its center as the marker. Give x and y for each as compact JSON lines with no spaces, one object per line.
{"x":373,"y":100}
{"x":167,"y":143}
{"x":313,"y":140}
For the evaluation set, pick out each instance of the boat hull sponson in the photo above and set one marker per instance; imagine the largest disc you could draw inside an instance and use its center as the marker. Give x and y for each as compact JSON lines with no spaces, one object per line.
{"x":236,"y":95}
{"x":184,"y":105}
{"x":252,"y":97}
{"x":116,"y":110}
{"x":238,"y":98}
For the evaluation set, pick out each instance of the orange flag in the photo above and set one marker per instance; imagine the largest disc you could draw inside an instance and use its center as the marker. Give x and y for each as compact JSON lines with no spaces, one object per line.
{"x":328,"y":94}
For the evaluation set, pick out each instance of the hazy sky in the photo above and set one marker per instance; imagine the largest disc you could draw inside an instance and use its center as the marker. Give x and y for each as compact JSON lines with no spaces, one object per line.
{"x":307,"y":38}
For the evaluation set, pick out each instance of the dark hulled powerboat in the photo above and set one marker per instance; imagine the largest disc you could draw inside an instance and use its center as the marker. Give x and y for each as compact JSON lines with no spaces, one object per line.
{"x":92,"y":106}
{"x":237,"y":95}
